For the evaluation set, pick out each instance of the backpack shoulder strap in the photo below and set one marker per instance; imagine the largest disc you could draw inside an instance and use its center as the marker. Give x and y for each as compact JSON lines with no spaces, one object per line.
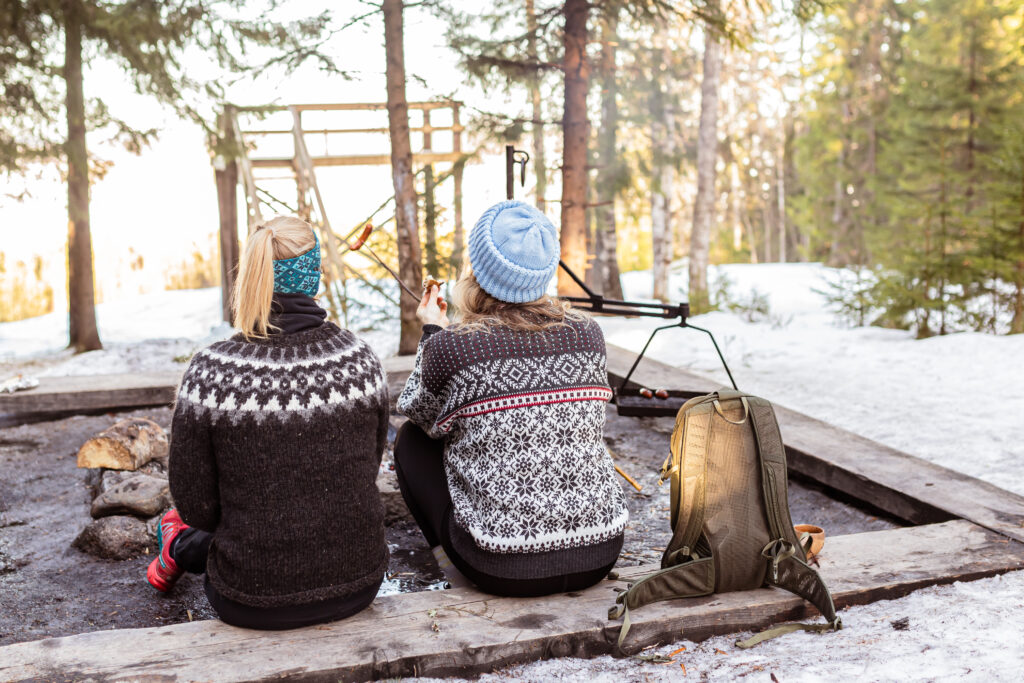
{"x":689,"y":482}
{"x":687,"y":580}
{"x":787,"y":568}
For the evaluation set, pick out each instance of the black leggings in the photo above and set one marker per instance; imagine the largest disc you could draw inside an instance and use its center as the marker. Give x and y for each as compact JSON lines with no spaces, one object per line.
{"x":419,"y":464}
{"x":190,"y":549}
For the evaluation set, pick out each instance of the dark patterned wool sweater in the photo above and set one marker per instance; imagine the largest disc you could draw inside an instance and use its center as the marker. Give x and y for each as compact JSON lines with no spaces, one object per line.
{"x":275,"y":449}
{"x":522,"y":415}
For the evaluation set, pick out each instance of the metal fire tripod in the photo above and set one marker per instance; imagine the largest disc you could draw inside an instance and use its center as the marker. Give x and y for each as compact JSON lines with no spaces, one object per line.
{"x":628,"y":400}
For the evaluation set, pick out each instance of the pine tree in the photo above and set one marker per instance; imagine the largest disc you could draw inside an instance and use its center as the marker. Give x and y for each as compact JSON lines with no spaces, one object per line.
{"x":42,"y":43}
{"x":939,"y":191}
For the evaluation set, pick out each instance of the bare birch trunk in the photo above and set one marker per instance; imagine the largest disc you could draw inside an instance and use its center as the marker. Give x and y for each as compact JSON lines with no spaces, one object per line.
{"x":406,"y":221}
{"x":539,"y":165}
{"x":707,"y":144}
{"x":734,"y":206}
{"x":575,"y":132}
{"x":780,"y":191}
{"x":607,"y":261}
{"x":837,"y":253}
{"x":82,"y":332}
{"x":663,"y":144}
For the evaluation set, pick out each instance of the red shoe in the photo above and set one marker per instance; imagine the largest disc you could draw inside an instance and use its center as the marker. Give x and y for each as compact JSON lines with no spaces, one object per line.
{"x":163,"y":572}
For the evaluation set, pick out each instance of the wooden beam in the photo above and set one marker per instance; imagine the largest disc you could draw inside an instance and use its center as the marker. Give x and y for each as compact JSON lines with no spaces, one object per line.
{"x":106,"y":392}
{"x":253,"y":216}
{"x":350,"y":106}
{"x":332,"y":131}
{"x":356,"y":160}
{"x":464,"y":632}
{"x":93,"y":392}
{"x":898,"y":483}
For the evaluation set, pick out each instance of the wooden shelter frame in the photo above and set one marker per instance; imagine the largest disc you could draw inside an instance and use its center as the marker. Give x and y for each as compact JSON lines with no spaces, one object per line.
{"x":229,"y":173}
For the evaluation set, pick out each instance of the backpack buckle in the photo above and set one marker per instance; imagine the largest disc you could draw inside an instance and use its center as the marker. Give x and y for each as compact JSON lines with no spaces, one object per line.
{"x":776,"y":551}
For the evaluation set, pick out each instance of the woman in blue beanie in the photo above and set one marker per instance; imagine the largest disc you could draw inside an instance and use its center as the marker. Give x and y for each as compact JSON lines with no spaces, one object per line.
{"x":503,"y":462}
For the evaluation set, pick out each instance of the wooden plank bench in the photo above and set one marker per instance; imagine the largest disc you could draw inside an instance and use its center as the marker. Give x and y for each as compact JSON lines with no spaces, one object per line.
{"x":905,"y":486}
{"x":88,"y":393}
{"x":463,"y":632}
{"x":92,"y":393}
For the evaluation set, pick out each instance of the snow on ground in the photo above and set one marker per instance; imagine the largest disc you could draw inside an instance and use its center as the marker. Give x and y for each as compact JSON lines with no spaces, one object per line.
{"x":956,"y":400}
{"x":146,"y":333}
{"x":963,"y":632}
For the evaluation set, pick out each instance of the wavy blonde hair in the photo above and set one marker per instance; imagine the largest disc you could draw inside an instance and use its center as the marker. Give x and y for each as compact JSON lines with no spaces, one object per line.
{"x":481,"y":312}
{"x":280,"y":237}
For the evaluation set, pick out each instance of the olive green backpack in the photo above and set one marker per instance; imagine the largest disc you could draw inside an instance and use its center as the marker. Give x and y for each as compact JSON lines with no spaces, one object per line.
{"x":730,"y":514}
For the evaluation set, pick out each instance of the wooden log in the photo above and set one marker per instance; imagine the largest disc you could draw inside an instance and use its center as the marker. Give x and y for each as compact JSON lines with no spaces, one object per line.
{"x":93,"y":392}
{"x":898,"y":483}
{"x":125,"y":445}
{"x":89,"y":393}
{"x":462,"y":631}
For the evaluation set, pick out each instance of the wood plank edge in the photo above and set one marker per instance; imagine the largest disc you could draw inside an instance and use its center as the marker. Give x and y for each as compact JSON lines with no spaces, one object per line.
{"x":720,"y":614}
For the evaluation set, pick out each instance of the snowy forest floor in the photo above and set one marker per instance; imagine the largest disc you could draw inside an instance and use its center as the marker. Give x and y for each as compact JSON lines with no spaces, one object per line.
{"x":956,"y":400}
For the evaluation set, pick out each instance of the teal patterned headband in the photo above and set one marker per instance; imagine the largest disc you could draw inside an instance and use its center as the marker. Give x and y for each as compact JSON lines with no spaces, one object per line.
{"x":301,"y":274}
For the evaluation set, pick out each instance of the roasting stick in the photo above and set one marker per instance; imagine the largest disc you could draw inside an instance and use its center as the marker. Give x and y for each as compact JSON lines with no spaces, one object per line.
{"x":361,"y":242}
{"x":628,"y":478}
{"x":621,"y":471}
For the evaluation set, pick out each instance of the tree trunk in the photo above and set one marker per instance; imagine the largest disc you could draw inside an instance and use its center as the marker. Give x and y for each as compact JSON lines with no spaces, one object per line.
{"x":662,"y":144}
{"x":838,"y":255}
{"x":660,"y":242}
{"x":780,"y":196}
{"x":607,"y":261}
{"x":1017,"y":323}
{"x":227,"y":183}
{"x":735,"y":199}
{"x":406,"y":220}
{"x":226,"y":179}
{"x":458,"y":238}
{"x":575,"y":133}
{"x":430,"y":223}
{"x":594,"y":241}
{"x":707,"y":144}
{"x":538,"y":113}
{"x":82,"y":332}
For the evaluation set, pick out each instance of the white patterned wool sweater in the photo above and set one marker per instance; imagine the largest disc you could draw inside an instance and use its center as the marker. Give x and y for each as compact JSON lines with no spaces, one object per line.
{"x":275,"y":448}
{"x":522,"y":415}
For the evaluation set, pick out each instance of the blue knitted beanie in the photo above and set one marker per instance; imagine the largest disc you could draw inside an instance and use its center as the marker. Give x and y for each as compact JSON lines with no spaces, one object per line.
{"x":514,"y":252}
{"x":301,"y":274}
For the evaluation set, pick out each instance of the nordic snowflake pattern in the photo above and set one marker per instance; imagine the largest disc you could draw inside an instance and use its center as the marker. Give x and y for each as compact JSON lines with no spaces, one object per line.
{"x":525,"y":457}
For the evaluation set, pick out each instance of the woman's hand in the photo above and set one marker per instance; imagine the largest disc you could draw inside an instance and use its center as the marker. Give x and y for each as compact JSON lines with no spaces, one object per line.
{"x":433,"y":309}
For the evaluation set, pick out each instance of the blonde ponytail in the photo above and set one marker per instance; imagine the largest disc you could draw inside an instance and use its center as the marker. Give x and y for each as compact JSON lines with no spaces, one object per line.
{"x":282,"y":237}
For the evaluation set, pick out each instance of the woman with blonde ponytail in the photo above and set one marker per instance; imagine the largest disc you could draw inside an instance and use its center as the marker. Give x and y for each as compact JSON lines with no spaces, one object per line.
{"x":276,"y":442}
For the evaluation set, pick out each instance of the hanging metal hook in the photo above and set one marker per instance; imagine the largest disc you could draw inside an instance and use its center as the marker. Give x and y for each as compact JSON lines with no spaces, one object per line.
{"x":514,"y":156}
